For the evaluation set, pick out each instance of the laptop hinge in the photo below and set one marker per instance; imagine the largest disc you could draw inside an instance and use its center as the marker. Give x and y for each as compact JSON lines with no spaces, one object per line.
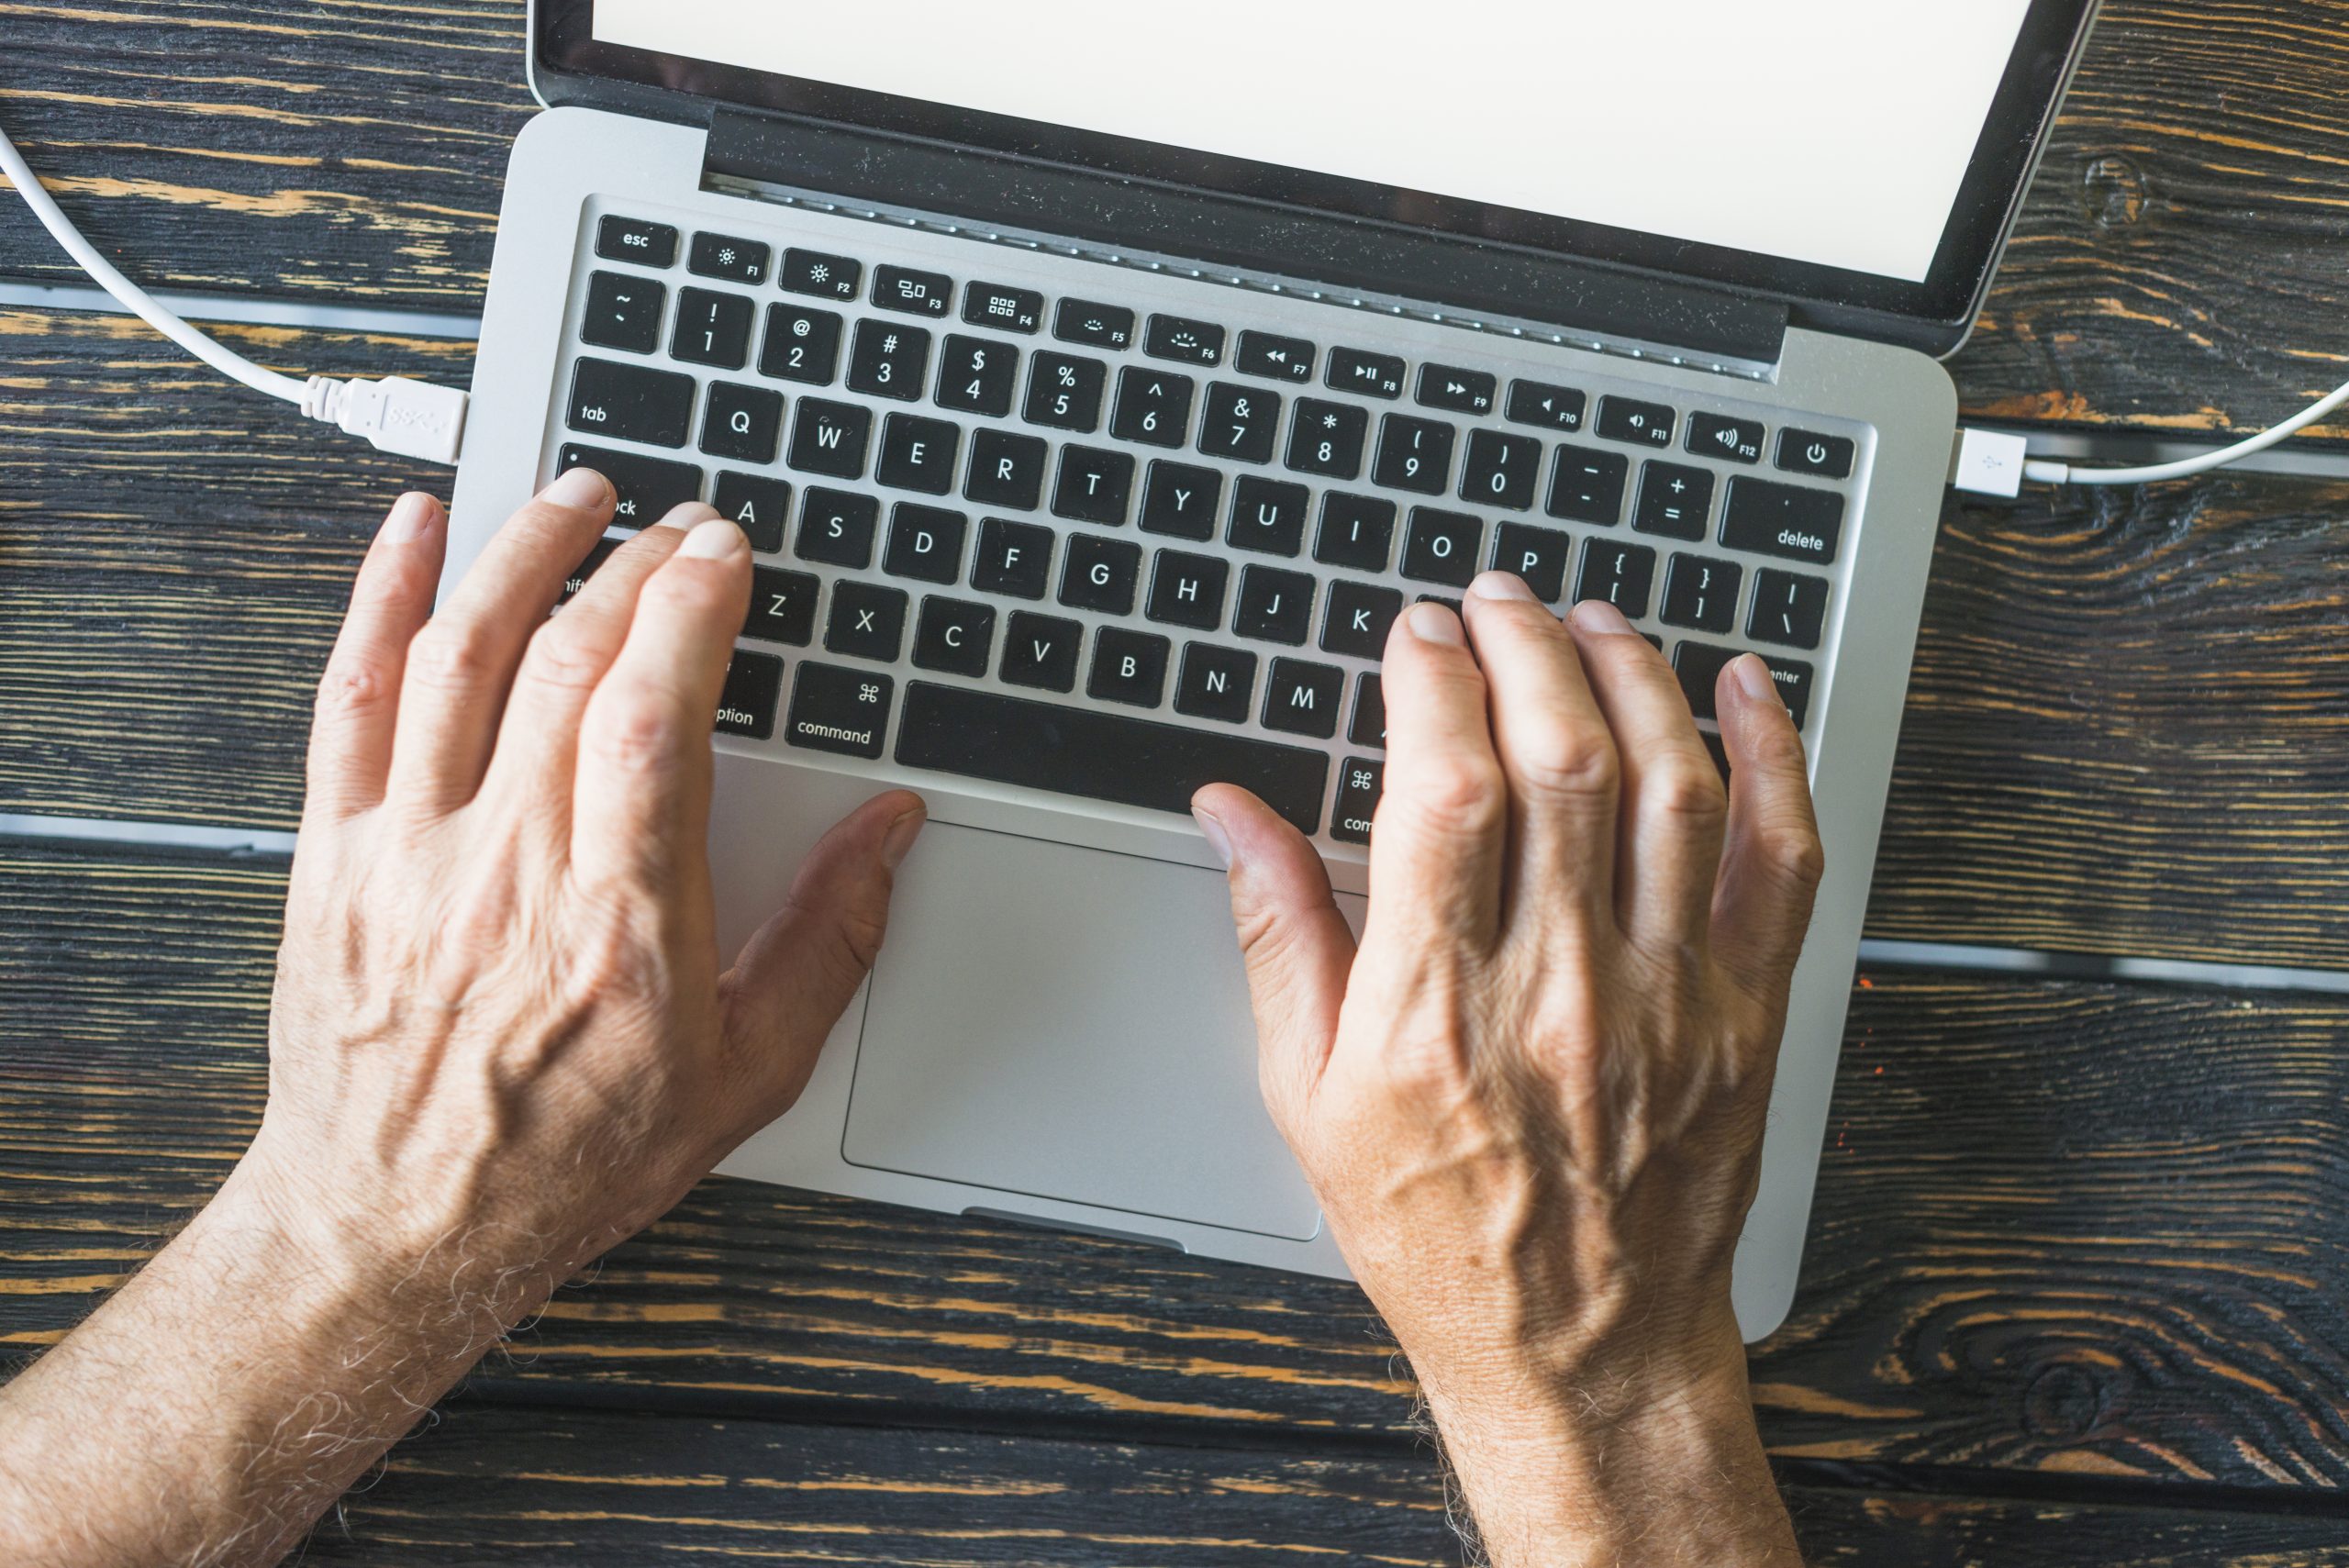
{"x":1378,"y":266}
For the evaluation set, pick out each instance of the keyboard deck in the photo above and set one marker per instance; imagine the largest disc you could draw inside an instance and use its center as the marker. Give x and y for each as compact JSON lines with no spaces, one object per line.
{"x":1114,"y":553}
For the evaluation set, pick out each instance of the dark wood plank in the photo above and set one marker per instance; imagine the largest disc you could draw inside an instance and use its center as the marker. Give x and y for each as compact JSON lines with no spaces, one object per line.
{"x":2175,"y":270}
{"x":1851,"y":1529}
{"x":2062,"y":1229}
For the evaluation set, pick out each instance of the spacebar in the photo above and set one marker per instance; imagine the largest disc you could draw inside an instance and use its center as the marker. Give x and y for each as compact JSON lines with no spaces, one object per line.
{"x":1101,"y":756}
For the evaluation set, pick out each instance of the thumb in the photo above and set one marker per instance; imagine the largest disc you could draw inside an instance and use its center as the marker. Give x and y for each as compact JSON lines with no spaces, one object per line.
{"x":1298,"y":948}
{"x":797,"y":977}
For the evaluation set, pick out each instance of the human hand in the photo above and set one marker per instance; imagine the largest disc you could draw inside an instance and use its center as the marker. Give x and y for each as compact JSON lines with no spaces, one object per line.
{"x":1532,"y":1103}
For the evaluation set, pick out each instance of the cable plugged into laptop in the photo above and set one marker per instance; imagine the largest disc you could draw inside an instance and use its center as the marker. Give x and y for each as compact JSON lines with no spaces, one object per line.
{"x":408,"y":418}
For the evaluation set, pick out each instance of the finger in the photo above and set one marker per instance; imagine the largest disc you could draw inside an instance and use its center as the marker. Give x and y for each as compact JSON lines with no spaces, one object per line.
{"x":358,"y":707}
{"x":1555,"y":751}
{"x":1771,"y":867}
{"x":797,"y":977}
{"x":1436,"y":859}
{"x":1669,"y":849}
{"x":641,"y":806}
{"x":1297,"y":948}
{"x":460,"y":665}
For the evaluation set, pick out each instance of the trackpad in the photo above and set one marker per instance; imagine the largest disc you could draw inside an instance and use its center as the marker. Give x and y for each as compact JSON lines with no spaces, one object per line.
{"x":1071,"y":1024}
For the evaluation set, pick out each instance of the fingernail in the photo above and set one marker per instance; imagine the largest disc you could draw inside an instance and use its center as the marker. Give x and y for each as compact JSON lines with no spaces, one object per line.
{"x":1218,"y":840}
{"x":899,"y":843}
{"x":1434,"y":623}
{"x":1754,"y":676}
{"x":713,"y":540}
{"x":1502,"y":586}
{"x":688,"y":515}
{"x":1602,"y":619}
{"x":580,"y":487}
{"x":411,"y":518}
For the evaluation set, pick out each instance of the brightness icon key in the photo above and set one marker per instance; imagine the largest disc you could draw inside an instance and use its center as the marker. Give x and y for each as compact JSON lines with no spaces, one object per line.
{"x":821,"y":276}
{"x":725,"y":256}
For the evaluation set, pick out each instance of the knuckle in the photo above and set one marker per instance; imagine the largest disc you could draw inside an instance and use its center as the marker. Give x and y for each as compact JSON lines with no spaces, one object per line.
{"x":1454,"y":794}
{"x":565,"y":654}
{"x":1566,"y":761}
{"x":352,"y":685}
{"x":1796,"y":856}
{"x":451,"y":656}
{"x":637,"y":735}
{"x":1686,"y":789}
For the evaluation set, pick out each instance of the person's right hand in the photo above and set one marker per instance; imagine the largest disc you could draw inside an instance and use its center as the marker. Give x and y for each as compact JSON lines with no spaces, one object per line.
{"x":1532,"y":1103}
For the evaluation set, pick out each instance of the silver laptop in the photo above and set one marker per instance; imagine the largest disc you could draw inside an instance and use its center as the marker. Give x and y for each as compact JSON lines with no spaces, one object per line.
{"x":1097,"y":384}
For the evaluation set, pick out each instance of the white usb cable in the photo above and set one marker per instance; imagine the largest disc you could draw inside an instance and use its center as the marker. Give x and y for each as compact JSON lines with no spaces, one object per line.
{"x":409,"y":419}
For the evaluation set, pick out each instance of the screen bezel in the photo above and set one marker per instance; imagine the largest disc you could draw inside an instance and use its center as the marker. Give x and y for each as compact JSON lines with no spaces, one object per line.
{"x":570,"y":66}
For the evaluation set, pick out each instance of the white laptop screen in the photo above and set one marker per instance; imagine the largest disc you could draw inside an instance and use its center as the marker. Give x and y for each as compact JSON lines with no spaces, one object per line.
{"x":1833,"y":132}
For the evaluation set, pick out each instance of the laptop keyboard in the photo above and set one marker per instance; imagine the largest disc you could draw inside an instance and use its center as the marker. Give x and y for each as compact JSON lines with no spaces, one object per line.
{"x":1112,"y":552}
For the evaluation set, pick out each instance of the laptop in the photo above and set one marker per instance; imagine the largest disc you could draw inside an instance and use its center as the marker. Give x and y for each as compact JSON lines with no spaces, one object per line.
{"x":1096,"y":384}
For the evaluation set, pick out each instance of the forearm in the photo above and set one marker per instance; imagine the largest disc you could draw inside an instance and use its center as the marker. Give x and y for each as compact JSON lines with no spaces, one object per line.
{"x":226,"y":1394}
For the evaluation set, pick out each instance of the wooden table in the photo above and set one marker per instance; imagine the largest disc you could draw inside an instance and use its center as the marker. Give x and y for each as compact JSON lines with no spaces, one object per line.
{"x":2075,"y":1290}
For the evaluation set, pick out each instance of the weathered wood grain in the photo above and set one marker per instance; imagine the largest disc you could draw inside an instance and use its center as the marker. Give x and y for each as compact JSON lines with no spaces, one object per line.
{"x":2178,"y":268}
{"x":1851,"y":1529}
{"x":2061,"y":1229}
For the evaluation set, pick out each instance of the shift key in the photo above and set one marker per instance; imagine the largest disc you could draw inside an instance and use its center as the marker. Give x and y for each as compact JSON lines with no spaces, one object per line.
{"x":839,"y":710}
{"x":649,"y":487}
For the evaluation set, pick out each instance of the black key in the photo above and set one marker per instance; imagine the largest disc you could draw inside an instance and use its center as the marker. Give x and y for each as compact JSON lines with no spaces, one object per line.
{"x":1014,"y":559}
{"x":1216,"y":683}
{"x":1368,"y":727}
{"x":723,"y":256}
{"x":1102,"y":756}
{"x":741,"y":423}
{"x":1459,"y":391}
{"x":1094,"y":486}
{"x":1699,"y":668}
{"x":1360,"y":784}
{"x":1623,"y":575}
{"x":1628,"y":420}
{"x":917,"y":453}
{"x":1788,"y":610}
{"x":1101,"y":574}
{"x":1129,"y":667}
{"x":838,"y":528}
{"x":1357,"y":532}
{"x":634,"y":240}
{"x":925,"y":543}
{"x":1587,"y":486}
{"x":1701,"y":594}
{"x":1153,"y":407}
{"x":1006,"y":470}
{"x":1303,"y":699}
{"x":889,"y":360}
{"x":1275,"y":606}
{"x":1276,"y":358}
{"x":577,"y":581}
{"x":624,"y":313}
{"x":1328,"y":439}
{"x":713,"y":328}
{"x":1368,"y":374}
{"x":1040,"y":651}
{"x":830,"y":438}
{"x":1782,"y":519}
{"x":1006,"y":309}
{"x":752,"y":692}
{"x":646,"y":489}
{"x":1181,"y":500}
{"x":1064,"y":392}
{"x":1676,"y":501}
{"x":1240,"y":422}
{"x":1414,"y":454}
{"x":915,"y":292}
{"x":1719,"y":752}
{"x":1820,"y":457}
{"x":1501,"y":470}
{"x":1718,"y":435}
{"x":954,"y":636}
{"x":632,"y":403}
{"x":1188,"y":590}
{"x":1551,"y":407}
{"x":1181,"y":339}
{"x":1095,"y":326}
{"x":1358,"y":619}
{"x":976,"y":376}
{"x":1441,"y":547}
{"x":1268,"y":517}
{"x":826,"y":277}
{"x":782,"y":607}
{"x":802,"y":345}
{"x":759,"y":505}
{"x":1538,"y":556}
{"x":867,"y":621}
{"x":839,"y":710}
